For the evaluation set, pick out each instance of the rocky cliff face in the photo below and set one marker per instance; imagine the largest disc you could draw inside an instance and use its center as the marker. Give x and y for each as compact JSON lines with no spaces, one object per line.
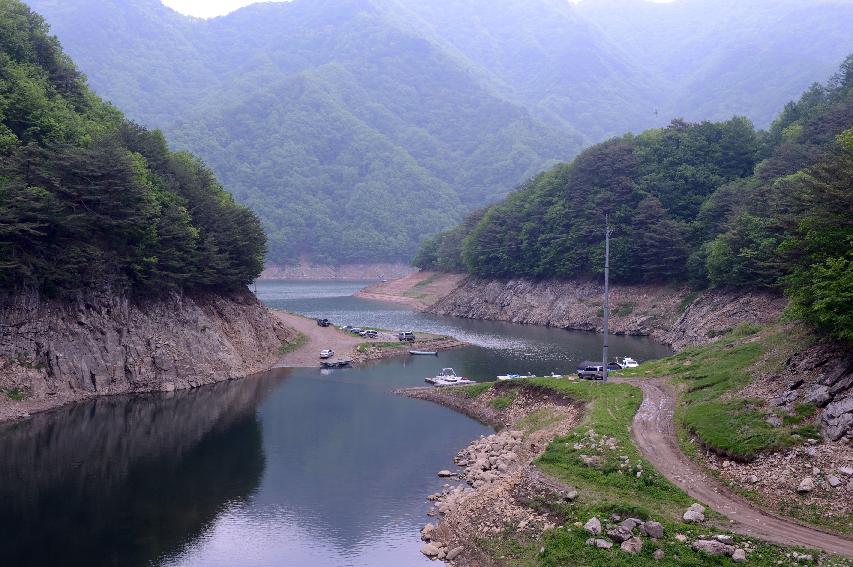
{"x":53,"y":352}
{"x":670,"y":314}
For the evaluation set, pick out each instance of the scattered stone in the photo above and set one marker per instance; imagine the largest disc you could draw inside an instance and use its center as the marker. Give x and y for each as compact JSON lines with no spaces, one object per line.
{"x":659,"y":554}
{"x":426,"y":532}
{"x":739,"y":556}
{"x":593,"y":526}
{"x":753,"y":479}
{"x":713,"y":547}
{"x":774,"y":421}
{"x":834,"y":481}
{"x":571,"y":495}
{"x":632,"y":545}
{"x":630,"y":524}
{"x":725,"y":538}
{"x":802,"y":557}
{"x":599,"y":543}
{"x":680,"y":538}
{"x":652,"y":529}
{"x":455,"y":552}
{"x":806,"y":485}
{"x":846,"y":471}
{"x":445,"y":473}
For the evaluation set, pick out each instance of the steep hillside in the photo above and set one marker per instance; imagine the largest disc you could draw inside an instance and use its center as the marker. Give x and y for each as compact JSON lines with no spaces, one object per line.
{"x":123,"y":266}
{"x":707,"y":204}
{"x":358,"y":127}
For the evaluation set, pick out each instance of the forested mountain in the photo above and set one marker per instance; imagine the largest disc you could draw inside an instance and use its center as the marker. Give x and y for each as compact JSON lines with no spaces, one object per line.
{"x":704,"y":203}
{"x":358,"y":127}
{"x":90,"y":200}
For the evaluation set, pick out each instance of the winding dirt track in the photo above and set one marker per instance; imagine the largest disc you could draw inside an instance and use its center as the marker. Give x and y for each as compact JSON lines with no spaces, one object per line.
{"x":654,"y":433}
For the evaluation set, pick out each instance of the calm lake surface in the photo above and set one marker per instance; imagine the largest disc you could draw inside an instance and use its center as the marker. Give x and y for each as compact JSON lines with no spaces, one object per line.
{"x":291,"y":468}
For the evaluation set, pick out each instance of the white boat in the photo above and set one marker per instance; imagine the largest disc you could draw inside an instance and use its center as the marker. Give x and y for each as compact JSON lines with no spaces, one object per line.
{"x":423,"y":352}
{"x":514,"y":376}
{"x":448,"y":377}
{"x":628,"y":362}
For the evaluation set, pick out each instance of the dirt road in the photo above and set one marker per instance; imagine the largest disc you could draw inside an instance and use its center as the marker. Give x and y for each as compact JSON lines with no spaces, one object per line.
{"x":317,"y":339}
{"x":654,"y":433}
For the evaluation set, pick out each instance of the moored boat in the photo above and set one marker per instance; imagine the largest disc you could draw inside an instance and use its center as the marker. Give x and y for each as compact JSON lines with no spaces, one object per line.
{"x":448,"y":377}
{"x":423,"y":353}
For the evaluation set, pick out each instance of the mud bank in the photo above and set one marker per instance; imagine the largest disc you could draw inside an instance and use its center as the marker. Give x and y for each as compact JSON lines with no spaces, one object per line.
{"x":56,"y":352}
{"x":672,"y":315}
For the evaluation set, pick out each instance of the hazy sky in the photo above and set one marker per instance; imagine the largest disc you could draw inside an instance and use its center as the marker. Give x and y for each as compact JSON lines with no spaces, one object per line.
{"x":211,"y":8}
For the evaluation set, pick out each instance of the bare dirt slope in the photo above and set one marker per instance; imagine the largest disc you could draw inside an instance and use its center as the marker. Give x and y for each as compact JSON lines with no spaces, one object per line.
{"x":420,"y":290}
{"x":654,"y":433}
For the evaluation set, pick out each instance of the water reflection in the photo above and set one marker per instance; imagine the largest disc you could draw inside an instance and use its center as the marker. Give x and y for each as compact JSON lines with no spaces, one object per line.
{"x":127,"y":480}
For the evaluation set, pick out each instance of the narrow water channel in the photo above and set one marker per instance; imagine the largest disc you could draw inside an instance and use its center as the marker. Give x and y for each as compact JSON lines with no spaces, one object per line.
{"x":291,"y":468}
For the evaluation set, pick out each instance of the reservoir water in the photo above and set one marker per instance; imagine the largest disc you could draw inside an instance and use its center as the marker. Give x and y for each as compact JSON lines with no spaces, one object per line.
{"x":291,"y":468}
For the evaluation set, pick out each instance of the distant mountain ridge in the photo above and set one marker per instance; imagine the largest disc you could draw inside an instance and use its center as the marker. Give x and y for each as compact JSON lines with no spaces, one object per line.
{"x":355,"y":128}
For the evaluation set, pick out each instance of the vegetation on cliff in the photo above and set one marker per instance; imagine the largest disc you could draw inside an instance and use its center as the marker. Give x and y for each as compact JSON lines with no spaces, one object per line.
{"x":708,"y":203}
{"x":89,"y":199}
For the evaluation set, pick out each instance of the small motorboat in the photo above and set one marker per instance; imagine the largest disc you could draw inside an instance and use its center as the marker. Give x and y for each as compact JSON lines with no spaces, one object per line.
{"x":327,"y":353}
{"x":514,"y":376}
{"x":448,"y":377}
{"x":423,"y":352}
{"x":628,"y":362}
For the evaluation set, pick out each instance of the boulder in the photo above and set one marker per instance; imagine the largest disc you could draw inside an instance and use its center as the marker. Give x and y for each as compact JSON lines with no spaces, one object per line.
{"x":839,"y":407}
{"x":426,"y":532}
{"x":836,"y":427}
{"x":630,"y":524}
{"x":454,"y":553}
{"x":593,"y":526}
{"x":693,"y":517}
{"x":713,"y":547}
{"x":652,"y":529}
{"x":445,"y":473}
{"x":659,"y":554}
{"x":846,"y":471}
{"x":739,"y":556}
{"x":619,"y":534}
{"x":725,"y":538}
{"x":632,"y":545}
{"x":834,"y":481}
{"x":806,"y":485}
{"x":818,"y":395}
{"x":431,"y":550}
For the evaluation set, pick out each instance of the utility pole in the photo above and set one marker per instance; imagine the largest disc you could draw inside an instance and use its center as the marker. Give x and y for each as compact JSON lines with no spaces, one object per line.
{"x":606,"y":292}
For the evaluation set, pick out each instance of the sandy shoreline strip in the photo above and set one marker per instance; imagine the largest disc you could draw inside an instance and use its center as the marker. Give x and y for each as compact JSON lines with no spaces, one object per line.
{"x":419,"y":291}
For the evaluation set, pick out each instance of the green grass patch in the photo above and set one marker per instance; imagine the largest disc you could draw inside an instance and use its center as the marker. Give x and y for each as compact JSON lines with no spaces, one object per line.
{"x":608,"y":484}
{"x":390,"y":345}
{"x":733,"y":428}
{"x":502,"y":402}
{"x":802,"y":413}
{"x":474,"y":390}
{"x":16,"y":394}
{"x":298,"y":342}
{"x":538,"y":420}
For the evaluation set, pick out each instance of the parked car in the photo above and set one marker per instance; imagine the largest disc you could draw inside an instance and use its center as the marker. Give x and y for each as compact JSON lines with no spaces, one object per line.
{"x":406,"y":337}
{"x":592,"y":373}
{"x":327,"y":353}
{"x":323,"y":322}
{"x":371,"y":334}
{"x":356,"y":330}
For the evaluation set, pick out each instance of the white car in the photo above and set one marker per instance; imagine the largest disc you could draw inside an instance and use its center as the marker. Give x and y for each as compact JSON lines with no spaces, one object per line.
{"x":328,"y":353}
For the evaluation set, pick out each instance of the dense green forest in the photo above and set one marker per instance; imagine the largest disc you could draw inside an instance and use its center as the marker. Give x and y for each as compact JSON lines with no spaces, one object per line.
{"x":356,"y":128}
{"x":91,"y":200}
{"x":706,"y":203}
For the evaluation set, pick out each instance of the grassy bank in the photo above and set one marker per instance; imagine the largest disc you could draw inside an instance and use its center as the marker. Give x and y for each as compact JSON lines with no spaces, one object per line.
{"x":733,"y":427}
{"x":298,"y":342}
{"x":600,"y":460}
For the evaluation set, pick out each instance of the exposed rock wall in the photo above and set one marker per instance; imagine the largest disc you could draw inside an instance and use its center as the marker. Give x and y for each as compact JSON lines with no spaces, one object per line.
{"x":54,"y":352}
{"x":669,"y":314}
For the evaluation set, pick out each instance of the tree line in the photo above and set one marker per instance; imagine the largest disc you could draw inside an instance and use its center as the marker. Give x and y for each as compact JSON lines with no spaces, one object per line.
{"x":709,"y":204}
{"x":89,"y":199}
